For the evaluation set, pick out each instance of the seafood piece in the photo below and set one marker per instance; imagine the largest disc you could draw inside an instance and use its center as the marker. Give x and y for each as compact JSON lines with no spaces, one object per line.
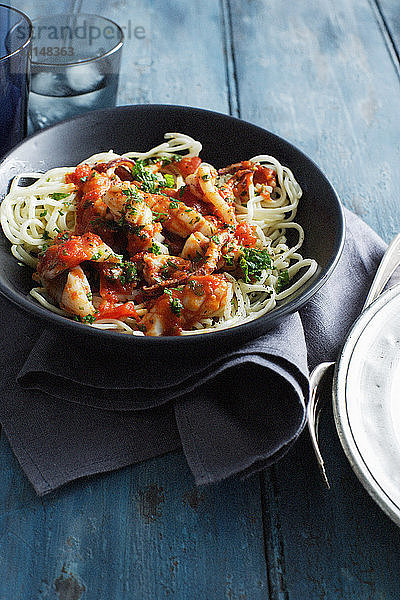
{"x":203,"y":183}
{"x":177,"y":217}
{"x":143,"y":237}
{"x":118,"y":282}
{"x":76,"y":294}
{"x":247,"y":173}
{"x":178,"y":309}
{"x":68,"y":251}
{"x":195,"y":245}
{"x":159,"y":269}
{"x":213,"y":254}
{"x":206,"y":296}
{"x":126,"y":204}
{"x":261,"y":173}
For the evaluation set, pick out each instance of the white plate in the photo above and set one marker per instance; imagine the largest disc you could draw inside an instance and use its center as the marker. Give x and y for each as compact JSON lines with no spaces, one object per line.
{"x":366,"y":400}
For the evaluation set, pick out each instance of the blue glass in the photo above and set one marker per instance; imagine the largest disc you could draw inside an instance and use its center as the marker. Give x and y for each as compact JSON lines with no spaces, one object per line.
{"x":15,"y":46}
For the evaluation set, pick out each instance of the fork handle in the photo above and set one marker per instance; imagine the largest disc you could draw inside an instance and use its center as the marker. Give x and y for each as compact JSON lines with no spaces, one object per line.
{"x":316,"y":377}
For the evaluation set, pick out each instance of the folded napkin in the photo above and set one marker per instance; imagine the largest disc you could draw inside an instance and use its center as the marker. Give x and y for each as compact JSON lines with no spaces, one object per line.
{"x":72,"y":407}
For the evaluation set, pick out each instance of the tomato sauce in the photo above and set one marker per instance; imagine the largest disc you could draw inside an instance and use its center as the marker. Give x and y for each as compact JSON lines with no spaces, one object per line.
{"x":187,"y":165}
{"x":116,"y":310}
{"x":245,"y":233}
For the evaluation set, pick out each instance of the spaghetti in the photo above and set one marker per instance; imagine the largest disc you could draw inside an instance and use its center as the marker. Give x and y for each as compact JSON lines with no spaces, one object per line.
{"x":159,"y":242}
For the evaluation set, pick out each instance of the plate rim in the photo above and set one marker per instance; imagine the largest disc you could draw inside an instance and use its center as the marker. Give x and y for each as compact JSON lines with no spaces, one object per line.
{"x":348,"y":441}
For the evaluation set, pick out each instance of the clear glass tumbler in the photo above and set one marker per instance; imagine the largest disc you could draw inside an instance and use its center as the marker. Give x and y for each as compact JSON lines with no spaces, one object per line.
{"x":75,"y":66}
{"x":15,"y":46}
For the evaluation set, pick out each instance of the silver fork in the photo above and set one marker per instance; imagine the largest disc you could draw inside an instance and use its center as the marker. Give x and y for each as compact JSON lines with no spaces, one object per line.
{"x":390,"y":261}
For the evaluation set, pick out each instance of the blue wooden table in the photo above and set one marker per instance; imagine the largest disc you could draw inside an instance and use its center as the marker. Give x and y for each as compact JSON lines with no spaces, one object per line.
{"x":325,"y":75}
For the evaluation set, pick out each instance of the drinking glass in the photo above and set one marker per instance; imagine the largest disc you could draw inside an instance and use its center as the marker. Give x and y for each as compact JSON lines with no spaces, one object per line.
{"x":75,"y":66}
{"x":15,"y":47}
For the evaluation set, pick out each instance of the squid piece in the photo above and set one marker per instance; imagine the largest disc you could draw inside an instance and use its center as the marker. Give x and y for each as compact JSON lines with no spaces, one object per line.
{"x":213,"y":254}
{"x":195,"y":245}
{"x":69,"y":251}
{"x":76,"y":294}
{"x":159,"y":269}
{"x":203,"y":184}
{"x":179,"y":218}
{"x":124,"y":202}
{"x":247,"y":173}
{"x":178,"y":309}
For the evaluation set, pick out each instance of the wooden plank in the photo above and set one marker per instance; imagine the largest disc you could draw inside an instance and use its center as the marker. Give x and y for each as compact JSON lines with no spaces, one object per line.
{"x":389,"y":12}
{"x":321,"y":75}
{"x":178,"y":58}
{"x":142,"y":532}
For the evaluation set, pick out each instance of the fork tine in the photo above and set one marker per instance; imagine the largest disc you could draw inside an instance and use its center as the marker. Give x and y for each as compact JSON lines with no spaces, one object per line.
{"x":313,"y":414}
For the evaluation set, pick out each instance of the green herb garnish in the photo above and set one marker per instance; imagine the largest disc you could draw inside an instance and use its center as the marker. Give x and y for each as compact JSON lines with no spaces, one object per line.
{"x":88,"y":319}
{"x":58,"y":195}
{"x":169,"y":180}
{"x":253,"y":262}
{"x":175,"y":304}
{"x":283,"y":280}
{"x":154,"y":248}
{"x":149,"y":180}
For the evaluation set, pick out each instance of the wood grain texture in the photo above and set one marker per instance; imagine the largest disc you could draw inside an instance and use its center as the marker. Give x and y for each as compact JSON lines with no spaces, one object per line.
{"x":41,"y":7}
{"x":320,"y":75}
{"x":143,"y":532}
{"x":180,"y":58}
{"x":139,"y":533}
{"x":390,"y":13}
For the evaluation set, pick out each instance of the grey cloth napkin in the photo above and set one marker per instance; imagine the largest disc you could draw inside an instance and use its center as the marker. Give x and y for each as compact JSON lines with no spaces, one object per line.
{"x":71,"y":409}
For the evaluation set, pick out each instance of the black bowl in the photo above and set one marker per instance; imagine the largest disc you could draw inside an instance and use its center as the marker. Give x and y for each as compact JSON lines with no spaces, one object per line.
{"x":225,"y":140}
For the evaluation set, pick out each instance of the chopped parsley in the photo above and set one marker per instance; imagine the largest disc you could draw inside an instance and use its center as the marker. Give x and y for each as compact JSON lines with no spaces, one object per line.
{"x":182,"y":190}
{"x":149,"y":181}
{"x":43,"y":213}
{"x":124,"y":272}
{"x":131,"y":193}
{"x":205,"y":177}
{"x":137,"y":230}
{"x":228,"y":259}
{"x":175,"y":304}
{"x":169,"y":180}
{"x":154,"y":248}
{"x":173,"y":205}
{"x":166,"y":160}
{"x":88,"y":319}
{"x":283,"y":280}
{"x":253,"y":262}
{"x":58,"y":195}
{"x":95,"y":256}
{"x":159,"y":216}
{"x":45,"y":235}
